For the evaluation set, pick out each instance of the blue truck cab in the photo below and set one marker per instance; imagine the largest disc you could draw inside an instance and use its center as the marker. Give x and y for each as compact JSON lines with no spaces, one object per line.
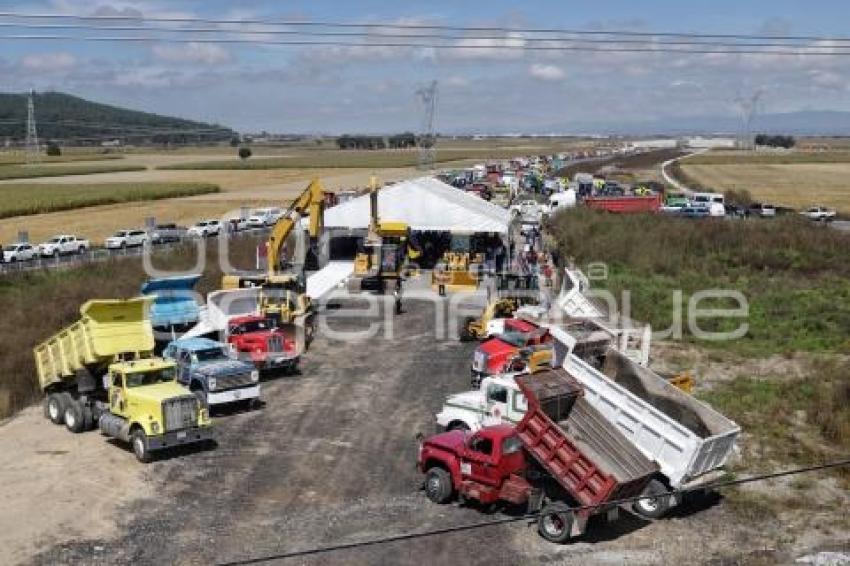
{"x":208,"y":370}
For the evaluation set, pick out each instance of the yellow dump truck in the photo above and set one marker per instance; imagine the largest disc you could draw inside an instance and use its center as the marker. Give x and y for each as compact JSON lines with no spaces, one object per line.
{"x":100,"y":372}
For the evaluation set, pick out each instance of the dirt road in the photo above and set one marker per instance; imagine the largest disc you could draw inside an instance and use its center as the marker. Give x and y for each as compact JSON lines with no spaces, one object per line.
{"x":330,"y":459}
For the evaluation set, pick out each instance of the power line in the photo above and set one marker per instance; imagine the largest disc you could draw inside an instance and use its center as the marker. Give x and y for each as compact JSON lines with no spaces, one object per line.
{"x":802,"y":51}
{"x":482,"y":524}
{"x":371,"y":25}
{"x":427,"y":36}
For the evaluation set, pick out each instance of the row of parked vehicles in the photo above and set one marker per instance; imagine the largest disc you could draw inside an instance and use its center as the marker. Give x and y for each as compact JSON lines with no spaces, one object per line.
{"x":565,"y":420}
{"x":69,"y":244}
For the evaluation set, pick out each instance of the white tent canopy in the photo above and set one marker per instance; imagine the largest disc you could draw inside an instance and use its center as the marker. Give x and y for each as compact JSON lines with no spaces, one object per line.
{"x":424,"y":204}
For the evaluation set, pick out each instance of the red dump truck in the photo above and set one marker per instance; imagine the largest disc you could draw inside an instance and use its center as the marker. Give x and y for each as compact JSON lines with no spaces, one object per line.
{"x":625,"y":204}
{"x":563,"y":460}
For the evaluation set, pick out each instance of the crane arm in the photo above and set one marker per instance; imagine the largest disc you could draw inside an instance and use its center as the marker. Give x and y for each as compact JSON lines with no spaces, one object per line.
{"x":310,"y":201}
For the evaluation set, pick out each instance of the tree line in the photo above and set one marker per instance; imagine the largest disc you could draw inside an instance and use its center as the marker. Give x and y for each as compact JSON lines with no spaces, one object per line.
{"x":775,"y":141}
{"x":398,"y":141}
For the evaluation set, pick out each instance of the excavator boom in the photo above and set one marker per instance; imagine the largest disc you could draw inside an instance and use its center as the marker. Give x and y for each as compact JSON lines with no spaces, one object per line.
{"x":311,"y":202}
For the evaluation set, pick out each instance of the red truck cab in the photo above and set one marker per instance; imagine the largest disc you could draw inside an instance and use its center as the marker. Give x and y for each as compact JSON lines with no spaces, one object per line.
{"x":487,"y":466}
{"x":259,"y":340}
{"x":509,"y":351}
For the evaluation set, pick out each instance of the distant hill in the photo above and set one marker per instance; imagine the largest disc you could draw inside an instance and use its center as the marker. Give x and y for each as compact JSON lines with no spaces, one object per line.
{"x":61,"y":116}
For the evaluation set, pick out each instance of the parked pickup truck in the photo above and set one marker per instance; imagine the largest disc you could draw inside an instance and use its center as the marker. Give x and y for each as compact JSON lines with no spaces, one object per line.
{"x":62,"y":245}
{"x":819,"y":213}
{"x":581,"y":460}
{"x":259,"y":341}
{"x":100,"y":372}
{"x":206,"y":368}
{"x":164,"y":233}
{"x":522,"y":344}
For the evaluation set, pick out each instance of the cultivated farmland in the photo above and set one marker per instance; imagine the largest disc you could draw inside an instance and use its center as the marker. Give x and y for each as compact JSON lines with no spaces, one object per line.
{"x":20,"y":199}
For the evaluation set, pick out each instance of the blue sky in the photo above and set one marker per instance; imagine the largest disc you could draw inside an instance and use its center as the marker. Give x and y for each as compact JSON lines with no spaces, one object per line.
{"x":341,"y":89}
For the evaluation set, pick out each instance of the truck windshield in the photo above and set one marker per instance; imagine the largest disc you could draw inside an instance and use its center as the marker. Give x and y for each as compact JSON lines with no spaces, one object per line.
{"x":138,"y":379}
{"x":258,"y":325}
{"x":514,"y":338}
{"x":208,"y":355}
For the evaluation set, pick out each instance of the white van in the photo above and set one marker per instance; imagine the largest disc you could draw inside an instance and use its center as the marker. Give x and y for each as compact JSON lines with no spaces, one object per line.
{"x":714,"y":202}
{"x":565,"y":199}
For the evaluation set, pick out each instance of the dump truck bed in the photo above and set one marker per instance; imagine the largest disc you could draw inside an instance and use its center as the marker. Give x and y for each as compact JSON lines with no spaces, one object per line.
{"x":106,"y":328}
{"x":175,"y":302}
{"x":686,"y":437}
{"x":584,"y":452}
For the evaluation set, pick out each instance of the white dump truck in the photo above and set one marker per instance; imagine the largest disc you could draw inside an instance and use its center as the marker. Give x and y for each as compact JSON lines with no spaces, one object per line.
{"x":689,"y":440}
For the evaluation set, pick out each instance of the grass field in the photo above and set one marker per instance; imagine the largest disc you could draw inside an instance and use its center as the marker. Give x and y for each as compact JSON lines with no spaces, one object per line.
{"x":720,"y":157}
{"x":62,"y":169}
{"x":20,"y":199}
{"x":794,"y":276}
{"x":349,"y":159}
{"x":18,"y":158}
{"x":796,"y":185}
{"x":809,"y":418}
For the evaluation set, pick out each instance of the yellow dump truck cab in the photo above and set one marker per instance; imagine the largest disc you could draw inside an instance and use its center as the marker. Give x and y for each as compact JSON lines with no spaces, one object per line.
{"x":100,"y":373}
{"x":149,"y":409}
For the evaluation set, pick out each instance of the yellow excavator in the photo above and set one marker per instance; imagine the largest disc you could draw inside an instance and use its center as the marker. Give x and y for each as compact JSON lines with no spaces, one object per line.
{"x":459,"y":269}
{"x":283,"y":288}
{"x":382,"y":262}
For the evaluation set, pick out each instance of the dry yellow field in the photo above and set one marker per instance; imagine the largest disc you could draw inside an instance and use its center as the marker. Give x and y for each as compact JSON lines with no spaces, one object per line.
{"x":796,"y":185}
{"x":239,"y":188}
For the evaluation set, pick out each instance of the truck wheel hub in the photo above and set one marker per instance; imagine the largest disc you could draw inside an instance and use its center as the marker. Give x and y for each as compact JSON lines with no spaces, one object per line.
{"x":649,"y":504}
{"x":53,"y":409}
{"x":553,"y":524}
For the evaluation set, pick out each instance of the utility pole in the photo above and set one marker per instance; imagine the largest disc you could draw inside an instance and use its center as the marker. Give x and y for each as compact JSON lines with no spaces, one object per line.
{"x":748,"y":108}
{"x":33,"y":151}
{"x":427,"y":140}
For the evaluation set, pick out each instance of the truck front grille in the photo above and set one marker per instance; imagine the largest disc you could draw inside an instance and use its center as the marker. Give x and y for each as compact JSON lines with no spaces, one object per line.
{"x":180,"y":413}
{"x":275,"y":344}
{"x":231,"y":381}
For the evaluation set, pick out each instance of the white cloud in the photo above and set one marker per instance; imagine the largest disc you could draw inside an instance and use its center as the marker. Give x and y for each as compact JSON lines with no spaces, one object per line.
{"x":828,"y":80}
{"x":59,"y":62}
{"x":205,"y":53}
{"x":546,"y":72}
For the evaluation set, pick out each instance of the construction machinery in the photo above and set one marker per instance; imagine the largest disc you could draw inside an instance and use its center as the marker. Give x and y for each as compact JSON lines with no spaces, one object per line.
{"x":457,"y":271}
{"x":282,"y":295}
{"x":382,"y":262}
{"x":100,"y":372}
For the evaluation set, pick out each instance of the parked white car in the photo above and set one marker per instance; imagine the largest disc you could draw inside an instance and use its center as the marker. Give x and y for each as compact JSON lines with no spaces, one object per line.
{"x":126,"y":239}
{"x":762,"y":210}
{"x":205,"y":228}
{"x":63,"y":244}
{"x":819,"y":213}
{"x":262,"y":217}
{"x":19,"y":252}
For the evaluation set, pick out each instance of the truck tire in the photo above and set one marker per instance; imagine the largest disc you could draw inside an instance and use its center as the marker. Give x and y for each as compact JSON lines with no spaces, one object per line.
{"x":74,"y":416}
{"x":653,"y":508}
{"x":438,"y":485}
{"x":140,"y":446}
{"x":555,"y":522}
{"x":56,"y":408}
